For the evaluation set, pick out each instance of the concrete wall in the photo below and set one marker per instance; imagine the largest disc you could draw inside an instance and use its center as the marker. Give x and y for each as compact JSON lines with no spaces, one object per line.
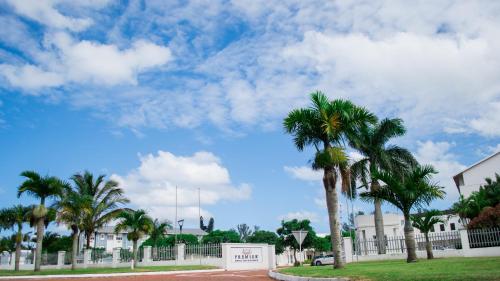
{"x":242,"y":256}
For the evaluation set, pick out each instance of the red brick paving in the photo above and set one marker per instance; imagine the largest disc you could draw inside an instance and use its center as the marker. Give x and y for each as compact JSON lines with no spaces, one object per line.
{"x":223,"y":276}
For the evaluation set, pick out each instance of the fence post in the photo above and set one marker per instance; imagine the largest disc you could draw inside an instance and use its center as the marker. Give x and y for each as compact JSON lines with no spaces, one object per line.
{"x":464,"y":238}
{"x":272,"y":256}
{"x":179,"y":248}
{"x":60,"y":259}
{"x":116,"y":257}
{"x":147,"y":254}
{"x":86,"y":257}
{"x":348,"y":249}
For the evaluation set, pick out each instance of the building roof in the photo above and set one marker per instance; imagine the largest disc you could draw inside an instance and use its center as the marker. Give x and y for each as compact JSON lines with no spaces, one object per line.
{"x":194,"y":231}
{"x":457,"y":176}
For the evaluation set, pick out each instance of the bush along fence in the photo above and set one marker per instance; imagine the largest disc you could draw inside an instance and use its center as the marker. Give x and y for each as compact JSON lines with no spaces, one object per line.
{"x":460,"y":243}
{"x":226,"y":255}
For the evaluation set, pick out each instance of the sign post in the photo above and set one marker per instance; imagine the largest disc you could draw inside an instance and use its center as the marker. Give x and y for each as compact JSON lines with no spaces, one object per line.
{"x":299,"y":235}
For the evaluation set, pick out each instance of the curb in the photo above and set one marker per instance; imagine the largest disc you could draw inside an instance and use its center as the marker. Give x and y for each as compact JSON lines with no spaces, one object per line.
{"x":283,"y":277}
{"x":124,"y":274}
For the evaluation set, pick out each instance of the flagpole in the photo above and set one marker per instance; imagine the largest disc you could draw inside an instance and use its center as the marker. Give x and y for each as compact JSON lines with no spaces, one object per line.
{"x":175,"y":222}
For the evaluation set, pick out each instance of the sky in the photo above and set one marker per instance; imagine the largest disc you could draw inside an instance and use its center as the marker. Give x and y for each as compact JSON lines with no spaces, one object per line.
{"x":159,"y":94}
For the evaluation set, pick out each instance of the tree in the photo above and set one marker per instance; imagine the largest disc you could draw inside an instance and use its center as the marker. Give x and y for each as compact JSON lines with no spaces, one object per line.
{"x":42,"y":188}
{"x":7,"y":244}
{"x":14,"y":218}
{"x":328,"y":124}
{"x":488,"y":195}
{"x":158,"y":231}
{"x":425,"y":222}
{"x":210,"y":227}
{"x":322,"y":244}
{"x":104,"y":199}
{"x":244,"y":231}
{"x":169,"y":241}
{"x":288,"y":240}
{"x":488,"y":218}
{"x":407,"y":190}
{"x":221,"y":236}
{"x":72,"y":209}
{"x":137,"y":224}
{"x":371,"y":143}
{"x":266,"y":237}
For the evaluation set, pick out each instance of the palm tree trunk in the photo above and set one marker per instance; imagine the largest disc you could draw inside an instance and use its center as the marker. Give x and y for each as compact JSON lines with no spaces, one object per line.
{"x":74,"y":249}
{"x":40,"y":227}
{"x":410,"y":240}
{"x":134,"y":252}
{"x":87,"y":240}
{"x":332,"y":204}
{"x":19,"y":239}
{"x":379,"y":220}
{"x":428,"y":246}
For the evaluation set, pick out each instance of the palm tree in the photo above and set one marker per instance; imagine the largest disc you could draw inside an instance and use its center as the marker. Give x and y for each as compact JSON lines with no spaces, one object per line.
{"x":13,"y":218}
{"x":72,"y":208}
{"x":371,"y":142}
{"x":158,"y":232}
{"x":43,"y":188}
{"x":406,"y":190}
{"x":137,"y":224}
{"x":425,"y":222}
{"x":328,"y":124}
{"x":104,"y":199}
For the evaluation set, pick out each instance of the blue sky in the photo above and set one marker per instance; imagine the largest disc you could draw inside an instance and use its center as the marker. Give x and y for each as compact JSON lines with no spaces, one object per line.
{"x":192,"y":93}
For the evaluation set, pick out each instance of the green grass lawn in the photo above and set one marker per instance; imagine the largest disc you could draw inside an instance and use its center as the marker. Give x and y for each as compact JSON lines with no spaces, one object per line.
{"x":104,"y":270}
{"x":438,"y":269}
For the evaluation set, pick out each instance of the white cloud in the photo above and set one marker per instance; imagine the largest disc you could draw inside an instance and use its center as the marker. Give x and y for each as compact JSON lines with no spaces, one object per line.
{"x":300,"y":215}
{"x":445,"y":162}
{"x":86,"y":61}
{"x":44,"y":11}
{"x":488,"y":122}
{"x":152,"y":185}
{"x":30,"y":77}
{"x":303,"y":173}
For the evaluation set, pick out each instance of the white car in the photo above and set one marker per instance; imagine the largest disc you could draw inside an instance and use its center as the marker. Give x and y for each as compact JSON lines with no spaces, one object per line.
{"x":322,"y":260}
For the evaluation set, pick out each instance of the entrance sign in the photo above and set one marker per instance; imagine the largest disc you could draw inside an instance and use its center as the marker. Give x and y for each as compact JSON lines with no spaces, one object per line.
{"x":246,"y":254}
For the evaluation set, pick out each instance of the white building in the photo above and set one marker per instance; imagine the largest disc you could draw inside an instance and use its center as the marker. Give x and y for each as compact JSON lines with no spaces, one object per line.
{"x":109,"y":240}
{"x":472,"y":178}
{"x":394,"y":225}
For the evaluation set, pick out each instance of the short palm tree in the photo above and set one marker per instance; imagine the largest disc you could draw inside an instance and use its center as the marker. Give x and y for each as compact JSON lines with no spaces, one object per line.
{"x":158,"y":232}
{"x":371,"y":142}
{"x":72,"y":208}
{"x":137,"y":224}
{"x":425,"y":222}
{"x":104,"y":199}
{"x":43,"y":188}
{"x":14,"y":218}
{"x":326,"y":125}
{"x":406,"y":191}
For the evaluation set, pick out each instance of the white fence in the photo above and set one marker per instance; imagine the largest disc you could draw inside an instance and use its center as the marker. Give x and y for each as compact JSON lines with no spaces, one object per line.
{"x":462,"y":243}
{"x":227,"y":256}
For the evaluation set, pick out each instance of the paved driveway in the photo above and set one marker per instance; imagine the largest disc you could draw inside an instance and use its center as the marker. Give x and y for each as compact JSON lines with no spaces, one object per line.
{"x":221,"y":275}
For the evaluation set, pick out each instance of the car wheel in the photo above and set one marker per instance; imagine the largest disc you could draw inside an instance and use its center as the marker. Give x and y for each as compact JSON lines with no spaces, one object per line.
{"x":318,"y":263}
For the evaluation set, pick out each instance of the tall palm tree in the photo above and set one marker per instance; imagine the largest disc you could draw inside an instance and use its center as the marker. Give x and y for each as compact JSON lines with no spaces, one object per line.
{"x":43,"y":188}
{"x":104,"y":205}
{"x":137,"y":224}
{"x":72,"y":208}
{"x":371,"y":142}
{"x":406,"y":191}
{"x":425,"y":222}
{"x":13,"y":218}
{"x":326,"y":125}
{"x":158,"y":232}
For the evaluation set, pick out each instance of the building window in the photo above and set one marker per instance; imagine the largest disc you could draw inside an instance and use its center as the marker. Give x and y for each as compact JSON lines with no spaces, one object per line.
{"x":118,"y":238}
{"x":452,"y":226}
{"x":110,"y":237}
{"x":102,"y":236}
{"x":441,"y":227}
{"x":432,"y":229}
